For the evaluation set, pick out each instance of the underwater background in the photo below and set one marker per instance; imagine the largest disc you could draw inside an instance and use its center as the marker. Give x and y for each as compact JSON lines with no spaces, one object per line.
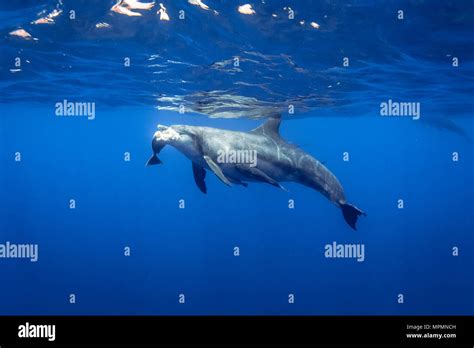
{"x":229,"y":69}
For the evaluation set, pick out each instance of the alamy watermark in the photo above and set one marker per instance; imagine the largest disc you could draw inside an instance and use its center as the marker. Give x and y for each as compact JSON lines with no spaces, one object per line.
{"x":28,"y":330}
{"x":238,"y":157}
{"x":345,"y":251}
{"x":393,"y":108}
{"x":67,"y":108}
{"x":19,"y":251}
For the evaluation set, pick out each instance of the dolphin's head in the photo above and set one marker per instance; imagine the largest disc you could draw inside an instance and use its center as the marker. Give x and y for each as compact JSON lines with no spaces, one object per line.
{"x":174,"y":135}
{"x":177,"y":136}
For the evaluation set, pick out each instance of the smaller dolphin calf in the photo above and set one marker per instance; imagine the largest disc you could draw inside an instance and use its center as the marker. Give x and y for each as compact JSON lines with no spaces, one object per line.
{"x":260,"y":155}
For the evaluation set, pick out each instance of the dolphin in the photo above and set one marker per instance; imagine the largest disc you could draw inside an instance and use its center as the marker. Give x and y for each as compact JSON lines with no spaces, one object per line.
{"x":260,"y":155}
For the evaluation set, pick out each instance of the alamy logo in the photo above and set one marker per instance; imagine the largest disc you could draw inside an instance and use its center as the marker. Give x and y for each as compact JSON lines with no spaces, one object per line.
{"x":67,"y":108}
{"x":37,"y":331}
{"x":238,"y":157}
{"x":393,"y":108}
{"x":19,"y":251}
{"x":345,"y":251}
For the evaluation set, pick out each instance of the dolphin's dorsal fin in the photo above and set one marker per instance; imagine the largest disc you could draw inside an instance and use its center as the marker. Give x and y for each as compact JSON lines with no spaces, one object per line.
{"x":270,"y":128}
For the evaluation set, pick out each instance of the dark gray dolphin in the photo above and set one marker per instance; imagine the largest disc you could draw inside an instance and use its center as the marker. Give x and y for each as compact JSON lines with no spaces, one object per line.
{"x":260,"y":155}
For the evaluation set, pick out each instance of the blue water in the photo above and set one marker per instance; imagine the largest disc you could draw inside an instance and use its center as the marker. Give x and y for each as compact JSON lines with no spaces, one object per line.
{"x":190,"y":251}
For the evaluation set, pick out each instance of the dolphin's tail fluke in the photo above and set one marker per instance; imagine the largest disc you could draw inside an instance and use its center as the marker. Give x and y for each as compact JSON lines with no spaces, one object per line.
{"x":351,"y":214}
{"x":153,"y":160}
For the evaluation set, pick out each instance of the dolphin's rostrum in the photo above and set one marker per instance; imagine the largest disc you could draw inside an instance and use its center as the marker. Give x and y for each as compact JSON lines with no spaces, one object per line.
{"x":276,"y":160}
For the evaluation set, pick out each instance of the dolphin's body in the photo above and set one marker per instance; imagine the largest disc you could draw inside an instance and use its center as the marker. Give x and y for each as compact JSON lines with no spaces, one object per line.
{"x":274,"y":160}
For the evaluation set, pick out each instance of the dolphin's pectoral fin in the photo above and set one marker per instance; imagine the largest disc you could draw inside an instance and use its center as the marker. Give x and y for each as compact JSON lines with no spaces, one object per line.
{"x":258,"y":174}
{"x":199,"y":176}
{"x":217,"y":170}
{"x":238,"y":182}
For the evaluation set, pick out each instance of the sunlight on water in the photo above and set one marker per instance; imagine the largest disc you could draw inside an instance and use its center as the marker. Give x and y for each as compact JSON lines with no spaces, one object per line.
{"x":247,"y":60}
